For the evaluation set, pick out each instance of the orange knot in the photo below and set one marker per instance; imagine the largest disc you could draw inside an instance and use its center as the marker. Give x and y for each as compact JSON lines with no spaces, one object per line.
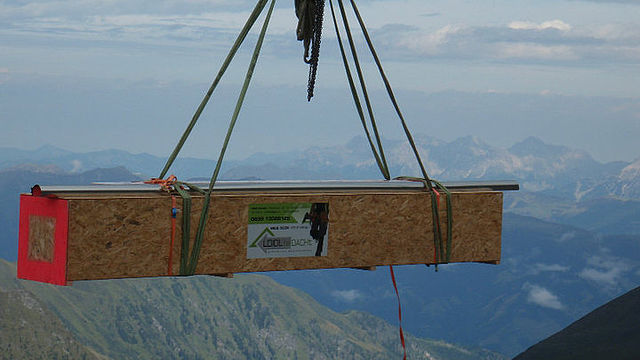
{"x":165,"y":184}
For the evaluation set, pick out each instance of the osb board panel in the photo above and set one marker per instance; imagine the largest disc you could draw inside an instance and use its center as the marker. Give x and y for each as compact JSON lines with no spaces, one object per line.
{"x":118,"y":237}
{"x":41,"y":238}
{"x":129,"y":237}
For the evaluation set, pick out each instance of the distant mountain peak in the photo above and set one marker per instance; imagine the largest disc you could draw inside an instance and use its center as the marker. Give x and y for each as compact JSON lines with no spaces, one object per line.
{"x":534,"y":145}
{"x":51,"y":150}
{"x":471,"y":142}
{"x":425,"y":140}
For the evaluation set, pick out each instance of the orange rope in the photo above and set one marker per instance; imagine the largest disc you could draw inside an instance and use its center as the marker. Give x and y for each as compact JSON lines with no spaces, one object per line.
{"x":166,"y":185}
{"x":395,"y":287}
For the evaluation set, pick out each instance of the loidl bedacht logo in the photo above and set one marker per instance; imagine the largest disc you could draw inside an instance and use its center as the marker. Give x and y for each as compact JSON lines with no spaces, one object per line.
{"x":273,"y":242}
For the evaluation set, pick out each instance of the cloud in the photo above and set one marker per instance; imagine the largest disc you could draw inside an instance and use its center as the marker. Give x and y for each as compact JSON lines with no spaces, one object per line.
{"x":605,"y":271}
{"x":347,"y":295}
{"x":78,"y":9}
{"x":528,"y":25}
{"x":540,"y":268}
{"x":548,"y":42}
{"x":535,"y":52}
{"x":479,"y":47}
{"x":539,"y":295}
{"x":77,"y":166}
{"x":569,"y":235}
{"x":430,"y":43}
{"x":121,"y":20}
{"x":167,"y":22}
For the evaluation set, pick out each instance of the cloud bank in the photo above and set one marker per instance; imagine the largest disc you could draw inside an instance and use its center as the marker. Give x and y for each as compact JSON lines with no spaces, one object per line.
{"x":605,"y":270}
{"x":552,"y":41}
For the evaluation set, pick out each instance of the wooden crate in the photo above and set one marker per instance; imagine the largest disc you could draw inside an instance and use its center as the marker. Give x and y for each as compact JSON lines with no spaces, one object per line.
{"x":88,"y":236}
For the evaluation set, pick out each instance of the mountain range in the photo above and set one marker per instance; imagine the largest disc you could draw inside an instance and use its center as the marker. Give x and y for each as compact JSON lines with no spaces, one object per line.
{"x":557,"y":170}
{"x":570,"y":237}
{"x":248,"y":317}
{"x":568,"y":173}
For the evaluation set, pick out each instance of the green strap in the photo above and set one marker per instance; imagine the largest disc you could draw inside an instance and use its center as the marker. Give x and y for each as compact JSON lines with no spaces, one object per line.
{"x":192,"y":187}
{"x":234,"y":49}
{"x":390,"y":93}
{"x":186,"y":220}
{"x":384,"y":169}
{"x":363,"y":86}
{"x":197,"y":244}
{"x":449,"y":218}
{"x":441,"y":254}
{"x":186,"y":226}
{"x":437,"y":238}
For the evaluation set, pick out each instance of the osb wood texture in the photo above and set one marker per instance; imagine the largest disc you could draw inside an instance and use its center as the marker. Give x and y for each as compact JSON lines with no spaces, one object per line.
{"x":118,"y":237}
{"x":130,"y":237}
{"x":41,"y":238}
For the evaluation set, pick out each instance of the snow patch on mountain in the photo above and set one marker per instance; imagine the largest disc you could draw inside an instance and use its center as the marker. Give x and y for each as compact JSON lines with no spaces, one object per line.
{"x":631,"y":171}
{"x":627,"y":184}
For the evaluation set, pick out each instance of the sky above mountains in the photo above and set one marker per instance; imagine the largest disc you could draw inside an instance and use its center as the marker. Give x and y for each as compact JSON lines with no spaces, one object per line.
{"x":569,"y":47}
{"x":94,"y":75}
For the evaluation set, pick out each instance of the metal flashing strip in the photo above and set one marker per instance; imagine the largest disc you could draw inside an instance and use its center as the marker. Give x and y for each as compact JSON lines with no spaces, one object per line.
{"x":105,"y":187}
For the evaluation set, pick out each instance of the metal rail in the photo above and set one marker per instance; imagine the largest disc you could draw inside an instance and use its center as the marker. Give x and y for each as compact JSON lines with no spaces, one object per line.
{"x":105,"y":187}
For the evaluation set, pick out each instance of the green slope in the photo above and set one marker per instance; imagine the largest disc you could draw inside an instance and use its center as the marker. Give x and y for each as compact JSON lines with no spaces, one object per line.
{"x":247,"y":317}
{"x":28,"y":330}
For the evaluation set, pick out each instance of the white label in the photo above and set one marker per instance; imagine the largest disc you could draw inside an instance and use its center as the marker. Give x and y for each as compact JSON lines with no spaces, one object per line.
{"x":287,"y":230}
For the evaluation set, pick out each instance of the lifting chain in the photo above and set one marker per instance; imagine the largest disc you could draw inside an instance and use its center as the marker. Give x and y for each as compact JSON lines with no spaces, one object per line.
{"x":310,"y":14}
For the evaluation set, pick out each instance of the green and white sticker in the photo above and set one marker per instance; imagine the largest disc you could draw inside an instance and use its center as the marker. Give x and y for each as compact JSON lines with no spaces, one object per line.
{"x":287,"y":230}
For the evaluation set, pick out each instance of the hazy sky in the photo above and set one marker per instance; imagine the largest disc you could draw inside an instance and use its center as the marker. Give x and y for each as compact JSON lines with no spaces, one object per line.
{"x":96,"y":74}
